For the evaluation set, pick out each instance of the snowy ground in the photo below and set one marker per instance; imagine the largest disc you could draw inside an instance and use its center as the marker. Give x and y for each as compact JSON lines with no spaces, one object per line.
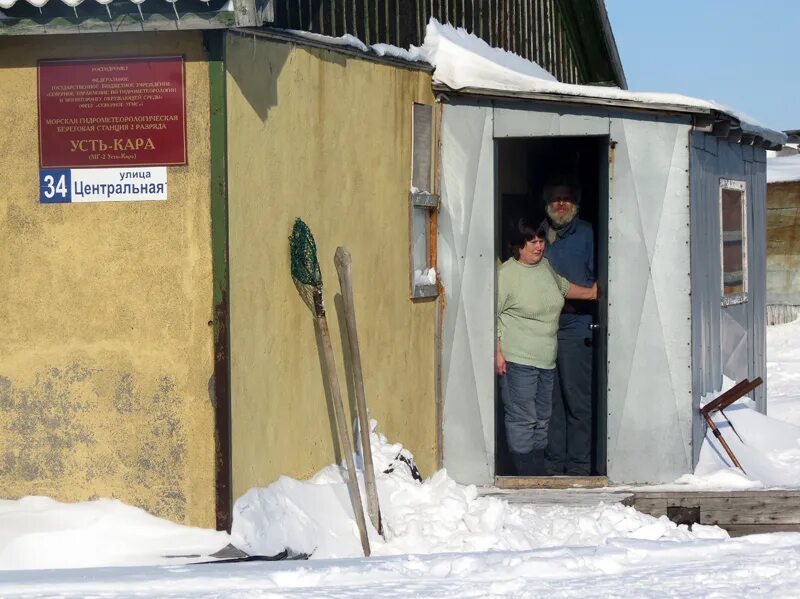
{"x":783,"y":372}
{"x":755,"y":566}
{"x":442,"y":539}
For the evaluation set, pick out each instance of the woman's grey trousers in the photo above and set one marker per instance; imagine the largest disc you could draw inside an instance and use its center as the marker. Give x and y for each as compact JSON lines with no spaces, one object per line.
{"x":527,"y":394}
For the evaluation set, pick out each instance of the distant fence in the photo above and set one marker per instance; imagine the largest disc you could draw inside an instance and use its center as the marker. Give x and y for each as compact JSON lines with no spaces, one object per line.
{"x":782,"y":313}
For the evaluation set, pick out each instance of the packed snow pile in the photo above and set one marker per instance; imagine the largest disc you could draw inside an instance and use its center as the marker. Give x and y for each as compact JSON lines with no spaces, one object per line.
{"x":437,"y":515}
{"x":767,"y":446}
{"x":768,"y":450}
{"x":39,"y":532}
{"x":783,"y":169}
{"x":783,"y":371}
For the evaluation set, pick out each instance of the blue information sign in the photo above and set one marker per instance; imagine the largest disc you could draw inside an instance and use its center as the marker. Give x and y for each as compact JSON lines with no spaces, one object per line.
{"x":70,"y":185}
{"x":54,"y":185}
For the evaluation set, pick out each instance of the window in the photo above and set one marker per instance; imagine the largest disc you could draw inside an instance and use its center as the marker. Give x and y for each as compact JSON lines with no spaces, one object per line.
{"x":733,"y":220}
{"x":422,"y":203}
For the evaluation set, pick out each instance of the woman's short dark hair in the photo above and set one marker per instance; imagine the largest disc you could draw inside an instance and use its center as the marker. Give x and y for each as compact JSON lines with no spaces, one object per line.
{"x":522,"y":233}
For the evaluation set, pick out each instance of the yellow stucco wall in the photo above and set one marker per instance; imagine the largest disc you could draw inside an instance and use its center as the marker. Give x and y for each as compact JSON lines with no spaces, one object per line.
{"x":105,"y":346}
{"x":327,"y":137}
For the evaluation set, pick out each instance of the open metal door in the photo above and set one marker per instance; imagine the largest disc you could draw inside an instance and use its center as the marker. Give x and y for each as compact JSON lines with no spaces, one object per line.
{"x":466,"y":263}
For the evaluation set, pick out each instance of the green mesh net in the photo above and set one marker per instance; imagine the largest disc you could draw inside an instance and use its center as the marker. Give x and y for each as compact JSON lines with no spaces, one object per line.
{"x":303,"y":252}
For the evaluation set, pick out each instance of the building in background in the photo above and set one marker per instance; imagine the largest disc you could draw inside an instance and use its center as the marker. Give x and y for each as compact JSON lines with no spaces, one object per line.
{"x":783,"y":233}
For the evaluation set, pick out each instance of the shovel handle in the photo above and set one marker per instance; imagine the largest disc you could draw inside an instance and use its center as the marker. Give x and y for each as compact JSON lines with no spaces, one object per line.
{"x":344,"y":268}
{"x":345,"y":444}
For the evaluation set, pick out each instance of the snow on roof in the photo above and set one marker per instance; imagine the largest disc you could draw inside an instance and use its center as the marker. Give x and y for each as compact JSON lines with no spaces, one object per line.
{"x":74,"y":3}
{"x":345,"y":40}
{"x":464,"y":61}
{"x":783,"y":169}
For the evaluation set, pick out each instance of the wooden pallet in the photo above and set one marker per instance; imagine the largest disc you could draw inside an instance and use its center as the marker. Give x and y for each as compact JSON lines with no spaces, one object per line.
{"x":738,"y":512}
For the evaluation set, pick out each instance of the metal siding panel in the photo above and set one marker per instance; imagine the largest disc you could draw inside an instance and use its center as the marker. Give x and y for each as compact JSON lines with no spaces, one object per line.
{"x":757,"y":259}
{"x":538,"y":120}
{"x":466,"y":263}
{"x":649,"y":349}
{"x":730,"y":340}
{"x":711,"y":143}
{"x":711,"y":265}
{"x":699,"y":324}
{"x":729,"y":163}
{"x":705,"y":262}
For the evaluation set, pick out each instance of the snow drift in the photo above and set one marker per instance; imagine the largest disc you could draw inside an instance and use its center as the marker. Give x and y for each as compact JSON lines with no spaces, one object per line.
{"x":433,"y":516}
{"x":39,"y":532}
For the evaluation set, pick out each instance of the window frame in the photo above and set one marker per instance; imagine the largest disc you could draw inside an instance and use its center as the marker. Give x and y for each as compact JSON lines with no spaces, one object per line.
{"x":422,"y":202}
{"x":738,"y":297}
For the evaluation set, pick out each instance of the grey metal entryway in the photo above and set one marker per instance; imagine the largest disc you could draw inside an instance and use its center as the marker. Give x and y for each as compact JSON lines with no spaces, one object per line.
{"x":653,"y":366}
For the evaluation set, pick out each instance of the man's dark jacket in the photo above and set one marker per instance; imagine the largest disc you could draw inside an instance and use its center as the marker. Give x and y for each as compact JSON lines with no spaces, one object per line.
{"x":572,"y":256}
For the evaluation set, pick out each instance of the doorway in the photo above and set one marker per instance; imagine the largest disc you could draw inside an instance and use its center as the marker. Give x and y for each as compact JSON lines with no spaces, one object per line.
{"x":524,"y":166}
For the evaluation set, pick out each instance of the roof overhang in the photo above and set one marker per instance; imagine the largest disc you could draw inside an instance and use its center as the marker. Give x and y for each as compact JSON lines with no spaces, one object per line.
{"x":592,"y":40}
{"x":611,"y":43}
{"x":793,"y":135}
{"x":717,"y":122}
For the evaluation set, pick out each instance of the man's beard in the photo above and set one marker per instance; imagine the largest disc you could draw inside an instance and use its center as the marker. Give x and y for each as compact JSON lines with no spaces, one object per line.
{"x":561,"y":220}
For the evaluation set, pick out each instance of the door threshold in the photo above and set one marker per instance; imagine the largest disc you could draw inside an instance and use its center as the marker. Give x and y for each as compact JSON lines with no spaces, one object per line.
{"x":550,"y":482}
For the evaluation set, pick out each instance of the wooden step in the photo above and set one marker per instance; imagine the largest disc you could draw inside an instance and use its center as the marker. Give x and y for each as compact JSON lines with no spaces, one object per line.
{"x":739,"y":512}
{"x":550,"y":482}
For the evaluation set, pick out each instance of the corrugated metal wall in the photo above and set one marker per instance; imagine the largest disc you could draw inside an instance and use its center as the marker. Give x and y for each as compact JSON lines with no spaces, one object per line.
{"x":533,"y":29}
{"x":726,"y":340}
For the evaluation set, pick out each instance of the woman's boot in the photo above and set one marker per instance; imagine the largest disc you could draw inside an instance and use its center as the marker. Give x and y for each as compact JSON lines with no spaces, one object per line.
{"x":529,"y":464}
{"x":537,"y":465}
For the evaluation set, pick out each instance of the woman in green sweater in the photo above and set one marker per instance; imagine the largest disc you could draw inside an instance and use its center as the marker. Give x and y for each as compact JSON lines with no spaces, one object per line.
{"x":530,"y":296}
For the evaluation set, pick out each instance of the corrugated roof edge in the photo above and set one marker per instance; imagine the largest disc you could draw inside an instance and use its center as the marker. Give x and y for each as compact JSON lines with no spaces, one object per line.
{"x":721,"y":123}
{"x":129,"y":21}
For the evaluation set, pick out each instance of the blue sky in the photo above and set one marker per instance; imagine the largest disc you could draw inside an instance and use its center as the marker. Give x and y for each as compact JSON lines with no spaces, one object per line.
{"x":743,"y":53}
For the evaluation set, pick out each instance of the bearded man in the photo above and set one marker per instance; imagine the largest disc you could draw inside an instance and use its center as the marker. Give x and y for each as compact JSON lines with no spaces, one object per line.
{"x":570,"y":250}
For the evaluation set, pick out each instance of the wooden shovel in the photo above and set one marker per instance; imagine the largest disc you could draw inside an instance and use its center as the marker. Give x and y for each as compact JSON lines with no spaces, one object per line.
{"x":344,"y":268}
